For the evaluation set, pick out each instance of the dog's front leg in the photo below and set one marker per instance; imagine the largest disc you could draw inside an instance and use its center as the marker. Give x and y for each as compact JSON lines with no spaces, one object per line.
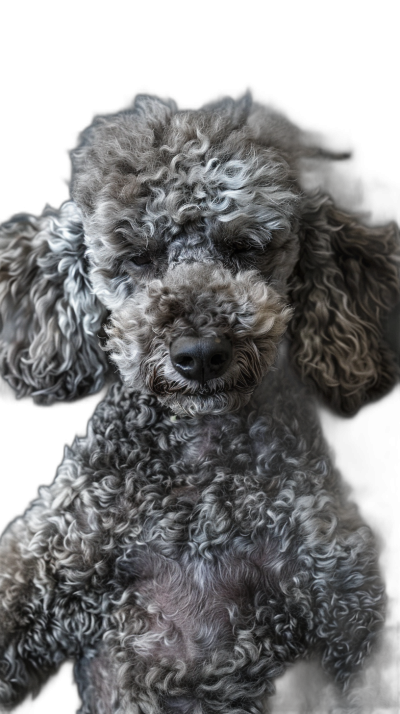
{"x":47,"y":613}
{"x":350,"y":600}
{"x":30,"y":649}
{"x":375,"y":690}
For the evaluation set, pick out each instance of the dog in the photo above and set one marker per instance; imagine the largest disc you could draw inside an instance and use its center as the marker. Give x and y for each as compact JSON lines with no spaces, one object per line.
{"x":198,"y":539}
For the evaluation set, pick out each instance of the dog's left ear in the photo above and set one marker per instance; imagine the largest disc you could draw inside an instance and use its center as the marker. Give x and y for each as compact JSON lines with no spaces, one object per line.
{"x":49,"y":316}
{"x":344,"y":286}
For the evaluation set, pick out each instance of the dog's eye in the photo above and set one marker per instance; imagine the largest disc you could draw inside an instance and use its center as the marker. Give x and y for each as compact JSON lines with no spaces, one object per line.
{"x":247,"y":253}
{"x":143,"y":259}
{"x":240,"y":251}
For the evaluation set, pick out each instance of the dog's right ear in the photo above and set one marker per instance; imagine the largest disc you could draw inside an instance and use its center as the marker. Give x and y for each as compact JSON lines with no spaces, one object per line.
{"x":49,"y":317}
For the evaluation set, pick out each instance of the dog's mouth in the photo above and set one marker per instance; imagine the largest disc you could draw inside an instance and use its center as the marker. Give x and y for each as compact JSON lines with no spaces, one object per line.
{"x":192,"y":405}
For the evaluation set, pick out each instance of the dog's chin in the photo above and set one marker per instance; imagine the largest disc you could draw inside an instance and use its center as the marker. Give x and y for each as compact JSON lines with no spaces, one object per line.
{"x":192,"y":405}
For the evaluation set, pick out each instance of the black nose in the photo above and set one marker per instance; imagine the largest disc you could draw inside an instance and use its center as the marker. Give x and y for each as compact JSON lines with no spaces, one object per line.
{"x":201,"y":358}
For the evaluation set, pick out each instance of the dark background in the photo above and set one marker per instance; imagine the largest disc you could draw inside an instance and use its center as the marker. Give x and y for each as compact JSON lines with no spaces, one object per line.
{"x":336,"y":79}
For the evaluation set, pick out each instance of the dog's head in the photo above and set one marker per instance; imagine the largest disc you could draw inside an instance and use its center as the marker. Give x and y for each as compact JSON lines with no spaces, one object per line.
{"x":191,"y":224}
{"x":203,"y":247}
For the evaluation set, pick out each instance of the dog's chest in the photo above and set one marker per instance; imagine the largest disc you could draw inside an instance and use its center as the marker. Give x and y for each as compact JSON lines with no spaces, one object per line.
{"x":196,"y":576}
{"x":207,"y":546}
{"x":192,"y":603}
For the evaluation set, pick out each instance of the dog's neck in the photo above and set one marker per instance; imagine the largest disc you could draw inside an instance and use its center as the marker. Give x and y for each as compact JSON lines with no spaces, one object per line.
{"x":204,"y":438}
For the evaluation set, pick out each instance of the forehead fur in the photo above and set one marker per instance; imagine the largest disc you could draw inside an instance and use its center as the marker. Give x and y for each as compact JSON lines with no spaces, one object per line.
{"x":158,"y":167}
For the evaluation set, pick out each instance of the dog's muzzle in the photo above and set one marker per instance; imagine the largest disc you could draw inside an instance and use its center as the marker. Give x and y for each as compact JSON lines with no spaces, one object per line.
{"x":200,"y":339}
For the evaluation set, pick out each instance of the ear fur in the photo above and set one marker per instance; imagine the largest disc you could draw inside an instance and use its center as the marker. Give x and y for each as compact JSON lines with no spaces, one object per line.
{"x":49,"y":318}
{"x":343,"y":288}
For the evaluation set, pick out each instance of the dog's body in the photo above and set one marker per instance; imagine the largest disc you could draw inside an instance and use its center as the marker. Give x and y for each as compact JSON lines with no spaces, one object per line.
{"x":198,"y":539}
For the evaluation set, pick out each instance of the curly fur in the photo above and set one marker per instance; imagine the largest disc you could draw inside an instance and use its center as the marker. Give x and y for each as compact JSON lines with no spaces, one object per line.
{"x":198,"y":539}
{"x":49,"y":317}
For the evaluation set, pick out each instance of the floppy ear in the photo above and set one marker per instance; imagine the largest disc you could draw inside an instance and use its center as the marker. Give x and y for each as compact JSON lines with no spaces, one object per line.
{"x":343,"y":288}
{"x":49,"y":317}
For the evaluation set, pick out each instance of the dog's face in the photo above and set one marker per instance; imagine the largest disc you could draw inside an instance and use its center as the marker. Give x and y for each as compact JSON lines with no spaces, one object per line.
{"x":189,"y":224}
{"x":194,"y":223}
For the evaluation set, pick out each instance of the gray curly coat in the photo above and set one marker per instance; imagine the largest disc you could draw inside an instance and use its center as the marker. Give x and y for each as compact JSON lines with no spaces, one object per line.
{"x":197,"y":539}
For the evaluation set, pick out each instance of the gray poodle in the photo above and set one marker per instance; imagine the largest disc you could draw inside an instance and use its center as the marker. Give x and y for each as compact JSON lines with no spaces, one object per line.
{"x":198,"y":539}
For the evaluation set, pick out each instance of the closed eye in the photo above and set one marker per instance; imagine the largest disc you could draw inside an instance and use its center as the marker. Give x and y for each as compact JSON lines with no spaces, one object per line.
{"x":242,"y":251}
{"x":142,"y":259}
{"x":246,"y":252}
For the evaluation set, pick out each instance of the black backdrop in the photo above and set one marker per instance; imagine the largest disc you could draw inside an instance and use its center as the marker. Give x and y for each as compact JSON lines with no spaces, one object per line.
{"x":331,"y":78}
